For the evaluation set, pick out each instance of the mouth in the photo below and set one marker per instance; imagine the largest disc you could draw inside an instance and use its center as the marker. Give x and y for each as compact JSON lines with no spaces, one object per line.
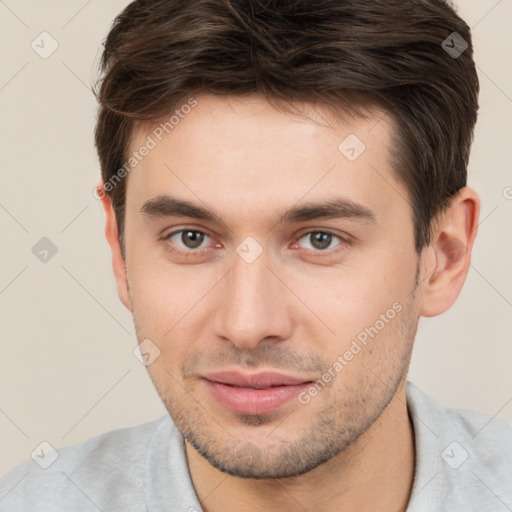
{"x":261,"y":393}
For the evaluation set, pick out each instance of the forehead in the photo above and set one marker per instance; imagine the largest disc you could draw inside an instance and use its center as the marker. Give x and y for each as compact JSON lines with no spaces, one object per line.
{"x":236,"y":153}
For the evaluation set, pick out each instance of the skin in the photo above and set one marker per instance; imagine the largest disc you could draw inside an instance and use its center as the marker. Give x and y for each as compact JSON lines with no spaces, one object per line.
{"x":294,"y":309}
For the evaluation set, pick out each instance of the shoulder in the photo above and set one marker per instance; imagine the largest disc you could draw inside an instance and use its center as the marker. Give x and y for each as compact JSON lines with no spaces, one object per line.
{"x":110,"y":461}
{"x":484,"y":433}
{"x":418,"y":399}
{"x":464,"y":457}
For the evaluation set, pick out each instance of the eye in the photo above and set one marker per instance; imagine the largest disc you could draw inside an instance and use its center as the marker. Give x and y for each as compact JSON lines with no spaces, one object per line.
{"x":193,"y":242}
{"x":320,"y":240}
{"x":187,"y":238}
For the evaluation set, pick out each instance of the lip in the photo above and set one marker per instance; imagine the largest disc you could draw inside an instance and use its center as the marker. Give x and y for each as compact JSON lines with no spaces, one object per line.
{"x":259,"y":393}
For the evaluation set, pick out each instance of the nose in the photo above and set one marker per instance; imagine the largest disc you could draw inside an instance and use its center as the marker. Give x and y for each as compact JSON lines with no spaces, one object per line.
{"x":254,"y":305}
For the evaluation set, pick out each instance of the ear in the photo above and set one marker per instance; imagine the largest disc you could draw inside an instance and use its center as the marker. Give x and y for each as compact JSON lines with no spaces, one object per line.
{"x":450,"y":252}
{"x":112,"y":234}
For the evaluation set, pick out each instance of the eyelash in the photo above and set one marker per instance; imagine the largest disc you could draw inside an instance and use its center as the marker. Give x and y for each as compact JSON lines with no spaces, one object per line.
{"x":199,"y":252}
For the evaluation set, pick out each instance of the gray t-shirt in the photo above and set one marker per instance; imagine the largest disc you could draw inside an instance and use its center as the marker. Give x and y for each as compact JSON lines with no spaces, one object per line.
{"x":463,"y":463}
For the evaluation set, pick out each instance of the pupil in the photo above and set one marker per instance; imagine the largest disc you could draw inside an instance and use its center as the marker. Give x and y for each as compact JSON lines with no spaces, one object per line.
{"x":321,"y":240}
{"x":192,"y":239}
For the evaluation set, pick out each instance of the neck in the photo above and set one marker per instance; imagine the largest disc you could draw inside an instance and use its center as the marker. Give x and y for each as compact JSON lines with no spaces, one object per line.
{"x":376,"y":472}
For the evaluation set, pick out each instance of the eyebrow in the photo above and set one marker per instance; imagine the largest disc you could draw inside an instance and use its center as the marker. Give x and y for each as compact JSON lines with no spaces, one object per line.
{"x":166,"y":206}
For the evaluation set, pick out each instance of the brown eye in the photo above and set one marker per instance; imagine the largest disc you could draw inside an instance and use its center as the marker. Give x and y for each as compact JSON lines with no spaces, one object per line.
{"x":188,"y":238}
{"x":320,"y":240}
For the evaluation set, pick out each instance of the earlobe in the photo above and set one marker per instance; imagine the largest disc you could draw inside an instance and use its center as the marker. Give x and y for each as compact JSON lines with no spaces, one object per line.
{"x":450,"y":251}
{"x":112,"y":235}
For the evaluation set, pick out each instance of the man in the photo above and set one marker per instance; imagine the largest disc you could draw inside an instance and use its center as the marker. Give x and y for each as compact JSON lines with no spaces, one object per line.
{"x":284,"y":185}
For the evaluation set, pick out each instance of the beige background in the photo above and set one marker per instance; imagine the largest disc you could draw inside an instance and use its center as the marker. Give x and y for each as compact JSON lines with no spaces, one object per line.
{"x":67,"y":370}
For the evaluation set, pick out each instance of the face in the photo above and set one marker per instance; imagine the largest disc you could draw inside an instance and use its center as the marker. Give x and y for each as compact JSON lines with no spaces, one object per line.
{"x":275,"y":271}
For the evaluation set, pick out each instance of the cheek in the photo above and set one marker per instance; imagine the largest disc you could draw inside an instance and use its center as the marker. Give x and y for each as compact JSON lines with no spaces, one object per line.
{"x":162,"y":292}
{"x":355,"y":296}
{"x":169,"y":303}
{"x":365,"y":303}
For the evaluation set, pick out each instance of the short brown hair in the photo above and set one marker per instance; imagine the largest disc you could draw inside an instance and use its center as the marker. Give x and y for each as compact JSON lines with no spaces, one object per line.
{"x":392,"y":53}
